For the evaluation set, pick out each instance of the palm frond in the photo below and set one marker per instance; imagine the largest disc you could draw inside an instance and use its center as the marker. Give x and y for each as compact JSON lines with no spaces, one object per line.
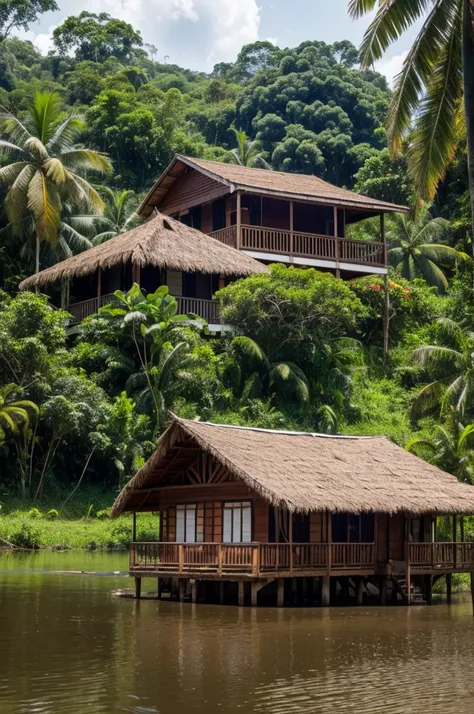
{"x":44,"y":114}
{"x":434,"y":139}
{"x":86,"y":159}
{"x":64,"y":135}
{"x":357,"y":8}
{"x":429,"y":397}
{"x":435,"y":355}
{"x":431,"y":272}
{"x":45,"y":205}
{"x":416,"y":72}
{"x":390,"y":22}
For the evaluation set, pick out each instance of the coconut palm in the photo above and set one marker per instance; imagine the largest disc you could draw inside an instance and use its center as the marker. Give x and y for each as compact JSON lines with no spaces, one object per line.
{"x":267,"y":376}
{"x":451,"y":448}
{"x":436,"y":83}
{"x":451,"y":363}
{"x":119,"y":216}
{"x":46,"y":168}
{"x":14,"y":412}
{"x":415,"y":251}
{"x":151,"y":320}
{"x":247,"y":152}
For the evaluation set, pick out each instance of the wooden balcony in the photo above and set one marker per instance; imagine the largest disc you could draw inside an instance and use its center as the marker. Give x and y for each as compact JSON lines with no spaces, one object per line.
{"x":441,"y":556}
{"x":264,"y":560}
{"x":250,"y":560}
{"x":304,"y":245}
{"x":207,"y":309}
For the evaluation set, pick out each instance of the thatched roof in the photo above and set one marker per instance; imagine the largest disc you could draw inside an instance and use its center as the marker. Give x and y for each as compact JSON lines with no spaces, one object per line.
{"x":304,"y":472}
{"x":277,"y":184}
{"x":163,"y":242}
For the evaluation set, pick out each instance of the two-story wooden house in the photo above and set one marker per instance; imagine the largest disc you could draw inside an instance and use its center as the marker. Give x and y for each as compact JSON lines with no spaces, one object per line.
{"x":273,"y":216}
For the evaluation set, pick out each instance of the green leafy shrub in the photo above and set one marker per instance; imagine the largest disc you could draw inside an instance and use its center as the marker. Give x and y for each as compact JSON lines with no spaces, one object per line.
{"x":34,"y":513}
{"x":26,"y":536}
{"x":103,"y":514}
{"x":52,"y":514}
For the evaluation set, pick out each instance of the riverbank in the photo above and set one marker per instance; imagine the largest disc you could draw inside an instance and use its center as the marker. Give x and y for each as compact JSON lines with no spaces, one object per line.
{"x":83,"y":523}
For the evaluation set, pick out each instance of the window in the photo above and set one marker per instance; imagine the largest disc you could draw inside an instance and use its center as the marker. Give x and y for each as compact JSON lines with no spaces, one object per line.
{"x":237,"y":522}
{"x":186,"y":521}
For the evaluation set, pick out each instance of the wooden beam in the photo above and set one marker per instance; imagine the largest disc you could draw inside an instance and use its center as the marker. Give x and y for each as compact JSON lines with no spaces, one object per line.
{"x":281,"y":592}
{"x":138,"y":588}
{"x":135,"y":273}
{"x":99,"y":286}
{"x":241,"y":593}
{"x":238,"y":237}
{"x":134,"y":527}
{"x":291,"y":232}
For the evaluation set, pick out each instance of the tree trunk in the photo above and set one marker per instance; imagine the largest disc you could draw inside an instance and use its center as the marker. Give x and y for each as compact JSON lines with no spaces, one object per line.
{"x":468,"y":81}
{"x":37,"y":256}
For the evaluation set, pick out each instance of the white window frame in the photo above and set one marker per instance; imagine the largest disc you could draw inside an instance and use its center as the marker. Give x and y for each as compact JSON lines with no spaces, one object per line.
{"x":237,"y":522}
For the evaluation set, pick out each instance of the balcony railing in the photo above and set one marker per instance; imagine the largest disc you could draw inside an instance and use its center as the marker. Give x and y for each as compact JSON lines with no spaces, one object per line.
{"x":252,"y":559}
{"x":265,"y":559}
{"x":443,"y":556}
{"x":207,"y":309}
{"x":303,"y":245}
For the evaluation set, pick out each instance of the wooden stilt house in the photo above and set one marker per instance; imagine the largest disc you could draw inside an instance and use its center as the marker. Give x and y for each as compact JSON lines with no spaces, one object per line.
{"x":161,"y":251}
{"x":249,"y":513}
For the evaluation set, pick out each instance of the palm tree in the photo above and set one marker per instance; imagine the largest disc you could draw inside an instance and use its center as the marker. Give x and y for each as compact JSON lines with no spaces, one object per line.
{"x":414,"y":249}
{"x":14,"y":412}
{"x":436,"y":83}
{"x":247,"y":152}
{"x":46,"y":170}
{"x":451,"y":363}
{"x":451,"y":448}
{"x":267,"y":376}
{"x":152,"y":319}
{"x":119,"y":216}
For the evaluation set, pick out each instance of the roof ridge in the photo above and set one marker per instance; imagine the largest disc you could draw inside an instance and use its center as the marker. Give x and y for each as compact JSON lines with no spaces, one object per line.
{"x":276,"y":431}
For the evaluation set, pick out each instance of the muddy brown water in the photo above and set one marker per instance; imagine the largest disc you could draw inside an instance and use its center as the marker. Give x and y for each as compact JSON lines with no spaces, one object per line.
{"x":67,"y":645}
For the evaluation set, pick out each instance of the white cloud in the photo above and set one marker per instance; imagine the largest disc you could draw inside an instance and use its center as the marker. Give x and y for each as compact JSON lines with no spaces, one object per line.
{"x":391,"y":66}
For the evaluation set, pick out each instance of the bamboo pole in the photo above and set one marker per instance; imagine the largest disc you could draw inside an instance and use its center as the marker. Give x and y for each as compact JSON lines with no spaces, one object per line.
{"x":338,"y":269}
{"x":238,"y":237}
{"x":291,"y":232}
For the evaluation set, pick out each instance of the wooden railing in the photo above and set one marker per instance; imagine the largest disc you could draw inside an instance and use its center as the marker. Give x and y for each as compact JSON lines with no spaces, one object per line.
{"x":303,"y":245}
{"x":207,"y":309}
{"x":226,"y":235}
{"x":256,"y":559}
{"x":448,"y":556}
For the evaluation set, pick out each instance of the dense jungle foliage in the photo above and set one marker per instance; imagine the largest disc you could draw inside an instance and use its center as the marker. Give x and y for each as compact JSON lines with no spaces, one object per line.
{"x":307,"y":348}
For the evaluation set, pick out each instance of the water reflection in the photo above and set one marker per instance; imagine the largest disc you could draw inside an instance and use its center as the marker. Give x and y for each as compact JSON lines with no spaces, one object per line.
{"x":67,"y":646}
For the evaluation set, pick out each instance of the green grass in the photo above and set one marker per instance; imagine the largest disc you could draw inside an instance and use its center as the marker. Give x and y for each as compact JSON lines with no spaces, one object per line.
{"x":82,"y":523}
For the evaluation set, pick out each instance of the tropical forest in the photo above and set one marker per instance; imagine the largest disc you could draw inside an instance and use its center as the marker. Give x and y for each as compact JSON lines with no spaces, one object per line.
{"x":85,"y":131}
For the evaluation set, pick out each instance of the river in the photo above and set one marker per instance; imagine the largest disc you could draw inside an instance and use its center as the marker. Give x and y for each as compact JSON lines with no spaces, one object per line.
{"x":67,"y":645}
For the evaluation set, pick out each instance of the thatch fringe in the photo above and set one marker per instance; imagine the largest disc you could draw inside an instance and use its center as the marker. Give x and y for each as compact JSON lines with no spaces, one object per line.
{"x":313,"y":472}
{"x":162,"y":242}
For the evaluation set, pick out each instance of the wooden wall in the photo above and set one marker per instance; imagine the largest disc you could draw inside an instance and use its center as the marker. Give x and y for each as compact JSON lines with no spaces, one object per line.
{"x":191,"y":189}
{"x":174,"y":280}
{"x":317,"y":527}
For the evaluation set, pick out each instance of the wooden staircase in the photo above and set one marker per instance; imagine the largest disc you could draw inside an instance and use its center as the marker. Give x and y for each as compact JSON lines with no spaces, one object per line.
{"x":416,"y":595}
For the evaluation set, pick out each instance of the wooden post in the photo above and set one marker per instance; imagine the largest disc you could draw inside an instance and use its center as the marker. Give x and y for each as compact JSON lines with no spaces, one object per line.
{"x":462,"y":528}
{"x":472,"y":589}
{"x":135,"y":273}
{"x":429,"y":589}
{"x":325,"y":591}
{"x":290,"y":535}
{"x":449,"y":587}
{"x":241,"y":593}
{"x":99,"y":286}
{"x":254,"y":593}
{"x":193,"y":591}
{"x":329,"y":539}
{"x":181,"y":587}
{"x":455,"y":537}
{"x":180,"y":558}
{"x":221,"y":592}
{"x":138,"y":588}
{"x":280,"y":592}
{"x":383,"y":239}
{"x":256,"y":560}
{"x":291,"y":232}
{"x":383,"y":590}
{"x":338,"y":257}
{"x":238,"y":229}
{"x":158,"y":588}
{"x":294,"y":591}
{"x":359,"y":591}
{"x":134,"y":527}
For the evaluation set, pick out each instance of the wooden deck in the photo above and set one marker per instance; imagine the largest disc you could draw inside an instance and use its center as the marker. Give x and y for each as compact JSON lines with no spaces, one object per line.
{"x":266,"y":560}
{"x":303,"y":245}
{"x":207,"y":309}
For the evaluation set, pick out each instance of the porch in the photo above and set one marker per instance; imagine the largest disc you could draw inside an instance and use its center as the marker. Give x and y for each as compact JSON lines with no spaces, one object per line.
{"x":266,"y":243}
{"x":206,"y":309}
{"x":242,"y":561}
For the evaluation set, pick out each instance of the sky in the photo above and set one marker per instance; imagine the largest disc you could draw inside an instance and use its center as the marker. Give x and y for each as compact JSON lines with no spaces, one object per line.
{"x":197,"y":34}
